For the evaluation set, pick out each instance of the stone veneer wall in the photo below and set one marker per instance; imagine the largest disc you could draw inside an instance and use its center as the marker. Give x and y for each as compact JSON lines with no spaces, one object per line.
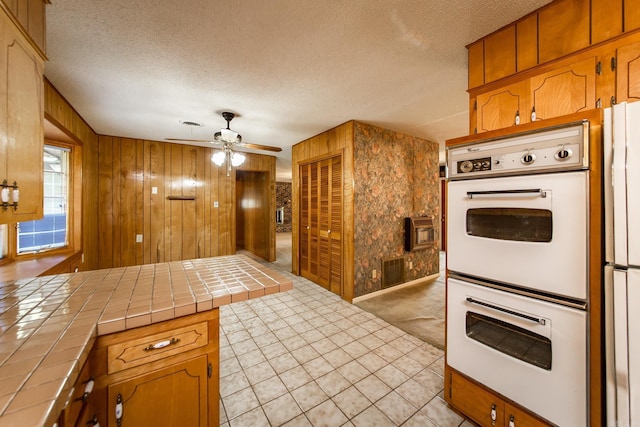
{"x":283,"y":200}
{"x":395,"y":176}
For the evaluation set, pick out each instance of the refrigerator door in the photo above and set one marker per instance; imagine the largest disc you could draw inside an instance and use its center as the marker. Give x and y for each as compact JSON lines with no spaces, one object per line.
{"x":633,"y":326}
{"x":619,"y":182}
{"x":620,"y":337}
{"x":607,"y":137}
{"x":633,"y":183}
{"x":609,"y":358}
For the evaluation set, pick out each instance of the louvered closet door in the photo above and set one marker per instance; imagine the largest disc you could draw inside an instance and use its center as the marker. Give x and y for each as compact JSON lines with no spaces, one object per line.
{"x":335,"y":225}
{"x":321,"y":223}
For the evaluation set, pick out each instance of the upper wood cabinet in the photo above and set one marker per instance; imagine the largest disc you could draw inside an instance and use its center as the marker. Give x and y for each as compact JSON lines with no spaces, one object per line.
{"x":21,"y":121}
{"x":476,"y":64}
{"x":527,"y":42}
{"x":628,"y":73}
{"x":500,"y":54}
{"x":565,"y":90}
{"x":502,"y":107}
{"x":563,"y":28}
{"x":31,"y":16}
{"x":606,"y":20}
{"x":631,"y":14}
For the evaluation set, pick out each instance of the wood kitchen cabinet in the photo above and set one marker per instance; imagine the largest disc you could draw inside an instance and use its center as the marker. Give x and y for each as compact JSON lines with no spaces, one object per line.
{"x":485,"y":407}
{"x":564,"y":90}
{"x":321,"y":222}
{"x":628,"y":73}
{"x":21,"y":121}
{"x":162,"y":374}
{"x":500,"y":108}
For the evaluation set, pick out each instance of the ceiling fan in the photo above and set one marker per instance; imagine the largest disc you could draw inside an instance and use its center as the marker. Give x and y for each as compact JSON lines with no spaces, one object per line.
{"x":229,"y":138}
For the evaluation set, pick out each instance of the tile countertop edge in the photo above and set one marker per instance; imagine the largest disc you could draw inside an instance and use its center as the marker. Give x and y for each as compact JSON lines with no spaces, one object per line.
{"x":188,"y":285}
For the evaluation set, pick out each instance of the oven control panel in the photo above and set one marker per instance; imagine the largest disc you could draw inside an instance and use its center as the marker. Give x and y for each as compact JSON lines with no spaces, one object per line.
{"x":560,"y":148}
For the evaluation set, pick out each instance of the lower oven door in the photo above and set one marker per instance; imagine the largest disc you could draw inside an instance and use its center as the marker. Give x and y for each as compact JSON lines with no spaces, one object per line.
{"x":532,"y":352}
{"x":528,"y":231}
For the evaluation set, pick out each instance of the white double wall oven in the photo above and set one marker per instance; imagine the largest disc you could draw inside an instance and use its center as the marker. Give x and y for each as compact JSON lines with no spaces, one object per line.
{"x":517,"y":259}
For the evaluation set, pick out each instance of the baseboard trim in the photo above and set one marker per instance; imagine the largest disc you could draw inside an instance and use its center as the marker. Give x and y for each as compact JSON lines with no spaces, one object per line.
{"x":395,"y":288}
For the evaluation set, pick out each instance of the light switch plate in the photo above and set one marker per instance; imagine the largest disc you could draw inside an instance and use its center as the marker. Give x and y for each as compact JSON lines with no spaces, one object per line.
{"x":154,"y":190}
{"x":215,"y":204}
{"x":138,"y":238}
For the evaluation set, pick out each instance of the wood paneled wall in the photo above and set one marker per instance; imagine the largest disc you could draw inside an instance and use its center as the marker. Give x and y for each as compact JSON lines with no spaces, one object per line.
{"x":59,"y":112}
{"x":172,"y":195}
{"x":338,"y":140}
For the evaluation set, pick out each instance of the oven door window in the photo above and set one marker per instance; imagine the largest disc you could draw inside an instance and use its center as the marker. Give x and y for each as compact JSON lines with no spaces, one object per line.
{"x":510,"y":339}
{"x":515,"y":224}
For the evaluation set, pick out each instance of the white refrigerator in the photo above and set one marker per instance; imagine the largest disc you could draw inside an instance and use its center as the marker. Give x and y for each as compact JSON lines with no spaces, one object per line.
{"x":622,"y":269}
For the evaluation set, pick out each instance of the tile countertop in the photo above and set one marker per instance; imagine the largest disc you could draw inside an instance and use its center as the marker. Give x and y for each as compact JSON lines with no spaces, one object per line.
{"x":48,"y":324}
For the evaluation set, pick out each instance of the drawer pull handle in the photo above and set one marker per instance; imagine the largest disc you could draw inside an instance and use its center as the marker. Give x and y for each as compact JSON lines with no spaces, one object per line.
{"x":161,"y":344}
{"x":493,"y":415}
{"x":119,"y":410}
{"x":88,"y":388}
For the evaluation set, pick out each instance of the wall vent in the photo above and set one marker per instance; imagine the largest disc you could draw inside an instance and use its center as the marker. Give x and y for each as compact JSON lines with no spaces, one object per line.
{"x":392,"y":271}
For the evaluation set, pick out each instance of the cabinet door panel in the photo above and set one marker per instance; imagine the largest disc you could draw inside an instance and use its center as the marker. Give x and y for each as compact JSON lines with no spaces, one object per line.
{"x":631,"y":15}
{"x":628,"y":78}
{"x":606,"y":19}
{"x":564,"y":91}
{"x":476,"y":64}
{"x":175,"y":396}
{"x":500,"y":54}
{"x":476,"y":402}
{"x":527,"y":42}
{"x":563,"y":28}
{"x":497,"y":109}
{"x":21,"y":127}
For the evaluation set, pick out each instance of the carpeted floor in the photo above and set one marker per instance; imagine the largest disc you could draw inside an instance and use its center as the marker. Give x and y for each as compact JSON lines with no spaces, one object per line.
{"x":417,"y":310}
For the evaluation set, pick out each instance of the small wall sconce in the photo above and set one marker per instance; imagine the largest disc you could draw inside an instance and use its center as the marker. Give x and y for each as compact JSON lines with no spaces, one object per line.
{"x":9,"y":195}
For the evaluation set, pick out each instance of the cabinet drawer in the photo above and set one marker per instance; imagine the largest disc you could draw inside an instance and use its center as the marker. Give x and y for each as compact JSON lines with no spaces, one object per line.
{"x":157,"y":346}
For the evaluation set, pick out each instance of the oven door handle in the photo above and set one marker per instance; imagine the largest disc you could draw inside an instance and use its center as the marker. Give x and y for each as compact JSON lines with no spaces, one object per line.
{"x":507,"y":311}
{"x":539,"y":191}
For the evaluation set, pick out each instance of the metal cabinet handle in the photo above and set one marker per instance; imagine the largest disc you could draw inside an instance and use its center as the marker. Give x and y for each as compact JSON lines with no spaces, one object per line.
{"x":538,"y":320}
{"x":539,"y":191}
{"x":94,"y":421}
{"x":161,"y":344}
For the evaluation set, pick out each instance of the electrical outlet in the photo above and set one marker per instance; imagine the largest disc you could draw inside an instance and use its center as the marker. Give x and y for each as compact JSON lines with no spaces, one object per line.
{"x":374,"y":274}
{"x":138,"y":238}
{"x":410,"y":265}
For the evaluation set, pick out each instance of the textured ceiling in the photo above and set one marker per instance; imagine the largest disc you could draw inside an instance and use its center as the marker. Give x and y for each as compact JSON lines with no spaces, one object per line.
{"x":289,"y":69}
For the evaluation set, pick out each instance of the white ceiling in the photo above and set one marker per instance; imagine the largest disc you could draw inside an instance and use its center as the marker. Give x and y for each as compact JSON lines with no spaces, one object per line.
{"x":289,"y":69}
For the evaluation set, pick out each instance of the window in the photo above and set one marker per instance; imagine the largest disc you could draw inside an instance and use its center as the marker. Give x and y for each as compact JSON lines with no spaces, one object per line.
{"x":51,"y":231}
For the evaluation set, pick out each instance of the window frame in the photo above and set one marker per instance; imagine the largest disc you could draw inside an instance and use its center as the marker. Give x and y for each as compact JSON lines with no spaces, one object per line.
{"x":74,"y":209}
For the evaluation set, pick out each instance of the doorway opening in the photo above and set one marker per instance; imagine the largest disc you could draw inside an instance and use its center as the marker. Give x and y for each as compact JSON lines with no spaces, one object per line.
{"x":254,"y":224}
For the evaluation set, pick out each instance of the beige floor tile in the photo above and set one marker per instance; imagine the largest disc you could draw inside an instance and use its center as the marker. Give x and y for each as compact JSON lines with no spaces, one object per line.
{"x":326,"y":414}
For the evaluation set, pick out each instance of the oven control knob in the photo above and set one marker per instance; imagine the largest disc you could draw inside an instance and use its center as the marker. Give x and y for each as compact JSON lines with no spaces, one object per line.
{"x":528,"y":158}
{"x":563,"y":154}
{"x":466,"y":166}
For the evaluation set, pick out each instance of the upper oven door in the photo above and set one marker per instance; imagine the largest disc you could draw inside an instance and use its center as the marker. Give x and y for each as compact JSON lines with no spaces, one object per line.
{"x":528,"y":231}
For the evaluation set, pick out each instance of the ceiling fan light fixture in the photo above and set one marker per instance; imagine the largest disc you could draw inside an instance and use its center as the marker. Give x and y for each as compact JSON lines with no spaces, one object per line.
{"x":218,"y":158}
{"x":237,"y":159}
{"x":228,"y":135}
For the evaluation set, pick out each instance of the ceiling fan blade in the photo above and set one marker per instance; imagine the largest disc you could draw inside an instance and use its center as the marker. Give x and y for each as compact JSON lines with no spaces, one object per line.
{"x":259,"y":147}
{"x":188,"y":140}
